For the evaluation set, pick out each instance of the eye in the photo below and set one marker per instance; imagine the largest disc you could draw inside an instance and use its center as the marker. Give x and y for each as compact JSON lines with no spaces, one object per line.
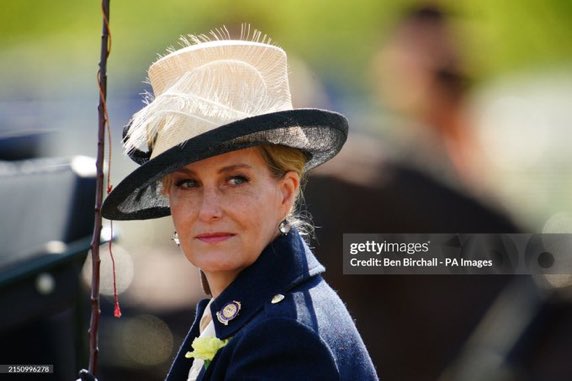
{"x":186,"y":183}
{"x":237,"y":180}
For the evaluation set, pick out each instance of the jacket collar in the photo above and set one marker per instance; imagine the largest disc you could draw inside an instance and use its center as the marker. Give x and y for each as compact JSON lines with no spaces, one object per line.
{"x":283,"y":264}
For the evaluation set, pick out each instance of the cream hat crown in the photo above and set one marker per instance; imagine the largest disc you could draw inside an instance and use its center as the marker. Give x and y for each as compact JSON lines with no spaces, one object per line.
{"x":204,"y":86}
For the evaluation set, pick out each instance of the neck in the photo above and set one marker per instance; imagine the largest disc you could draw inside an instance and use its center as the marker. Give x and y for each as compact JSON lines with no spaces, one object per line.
{"x":218,"y":281}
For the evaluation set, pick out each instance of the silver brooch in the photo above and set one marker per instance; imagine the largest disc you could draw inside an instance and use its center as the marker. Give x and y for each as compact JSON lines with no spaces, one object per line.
{"x":228,"y":312}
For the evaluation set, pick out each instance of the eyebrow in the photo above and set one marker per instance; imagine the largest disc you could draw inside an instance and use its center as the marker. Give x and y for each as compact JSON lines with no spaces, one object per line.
{"x":228,"y":168}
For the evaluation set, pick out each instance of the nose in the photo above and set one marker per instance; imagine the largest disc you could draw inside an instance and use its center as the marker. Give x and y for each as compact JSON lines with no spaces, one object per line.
{"x":210,"y":207}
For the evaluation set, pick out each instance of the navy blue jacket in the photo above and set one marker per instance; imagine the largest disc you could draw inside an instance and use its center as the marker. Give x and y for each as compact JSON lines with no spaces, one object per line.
{"x":309,"y":335}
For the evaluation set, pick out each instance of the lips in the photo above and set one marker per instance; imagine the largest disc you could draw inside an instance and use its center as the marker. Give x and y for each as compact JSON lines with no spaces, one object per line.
{"x":214,"y":237}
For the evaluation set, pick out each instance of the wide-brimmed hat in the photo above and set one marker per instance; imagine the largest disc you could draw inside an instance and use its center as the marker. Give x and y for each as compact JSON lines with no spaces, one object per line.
{"x":212,"y":97}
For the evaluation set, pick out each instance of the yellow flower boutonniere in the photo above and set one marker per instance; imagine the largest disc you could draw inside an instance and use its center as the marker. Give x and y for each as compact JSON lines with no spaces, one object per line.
{"x":205,"y":348}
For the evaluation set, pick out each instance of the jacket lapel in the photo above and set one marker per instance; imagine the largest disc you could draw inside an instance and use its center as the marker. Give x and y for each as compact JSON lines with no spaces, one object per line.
{"x":181,"y":365}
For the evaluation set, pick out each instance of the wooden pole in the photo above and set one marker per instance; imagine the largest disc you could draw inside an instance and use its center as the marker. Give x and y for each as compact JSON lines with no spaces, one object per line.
{"x":96,"y":238}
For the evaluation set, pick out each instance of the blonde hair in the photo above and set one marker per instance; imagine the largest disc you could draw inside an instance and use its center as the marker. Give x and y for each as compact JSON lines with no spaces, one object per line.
{"x":280,"y":159}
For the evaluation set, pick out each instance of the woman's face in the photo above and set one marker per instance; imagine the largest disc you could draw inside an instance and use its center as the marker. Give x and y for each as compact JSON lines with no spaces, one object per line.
{"x":227,"y":208}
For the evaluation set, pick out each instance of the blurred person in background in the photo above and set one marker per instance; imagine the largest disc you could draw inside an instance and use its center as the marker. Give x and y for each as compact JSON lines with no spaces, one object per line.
{"x":420,"y":74}
{"x":413,"y":325}
{"x":224,"y":153}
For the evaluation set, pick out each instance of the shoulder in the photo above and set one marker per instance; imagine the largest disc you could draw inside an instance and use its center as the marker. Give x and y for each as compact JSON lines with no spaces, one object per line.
{"x":311,"y":316}
{"x":314,"y":305}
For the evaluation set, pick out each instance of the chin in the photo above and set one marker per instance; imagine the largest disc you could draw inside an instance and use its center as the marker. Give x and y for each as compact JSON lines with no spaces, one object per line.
{"x":215,"y":264}
{"x":221,"y":269}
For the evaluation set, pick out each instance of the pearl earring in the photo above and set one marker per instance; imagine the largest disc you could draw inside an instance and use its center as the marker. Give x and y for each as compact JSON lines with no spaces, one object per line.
{"x":175,"y":239}
{"x":284,"y":227}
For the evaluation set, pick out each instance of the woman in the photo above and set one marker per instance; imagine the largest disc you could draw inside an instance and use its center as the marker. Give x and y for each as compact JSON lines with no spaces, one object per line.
{"x":224,"y":155}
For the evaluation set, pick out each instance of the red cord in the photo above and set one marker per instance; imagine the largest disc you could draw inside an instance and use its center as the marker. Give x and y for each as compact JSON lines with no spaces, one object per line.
{"x":116,"y":308}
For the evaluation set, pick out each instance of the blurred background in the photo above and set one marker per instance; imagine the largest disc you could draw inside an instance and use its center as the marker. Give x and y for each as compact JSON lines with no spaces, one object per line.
{"x":459,"y":122}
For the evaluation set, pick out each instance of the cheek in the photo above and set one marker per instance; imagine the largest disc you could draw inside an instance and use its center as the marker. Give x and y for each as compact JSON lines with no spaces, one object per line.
{"x":181,"y":212}
{"x":265,"y":212}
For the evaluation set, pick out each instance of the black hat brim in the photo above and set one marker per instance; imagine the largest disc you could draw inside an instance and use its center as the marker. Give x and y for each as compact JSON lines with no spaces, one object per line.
{"x":139,"y":195}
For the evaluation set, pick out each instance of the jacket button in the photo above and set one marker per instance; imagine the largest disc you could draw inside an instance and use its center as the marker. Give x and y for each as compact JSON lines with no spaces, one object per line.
{"x":277,"y":298}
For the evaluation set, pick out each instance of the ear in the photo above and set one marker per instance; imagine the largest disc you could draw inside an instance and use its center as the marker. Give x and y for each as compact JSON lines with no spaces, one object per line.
{"x":289,"y":186}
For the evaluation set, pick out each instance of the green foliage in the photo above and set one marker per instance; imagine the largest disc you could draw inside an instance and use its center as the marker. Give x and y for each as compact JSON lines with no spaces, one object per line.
{"x":337,"y":36}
